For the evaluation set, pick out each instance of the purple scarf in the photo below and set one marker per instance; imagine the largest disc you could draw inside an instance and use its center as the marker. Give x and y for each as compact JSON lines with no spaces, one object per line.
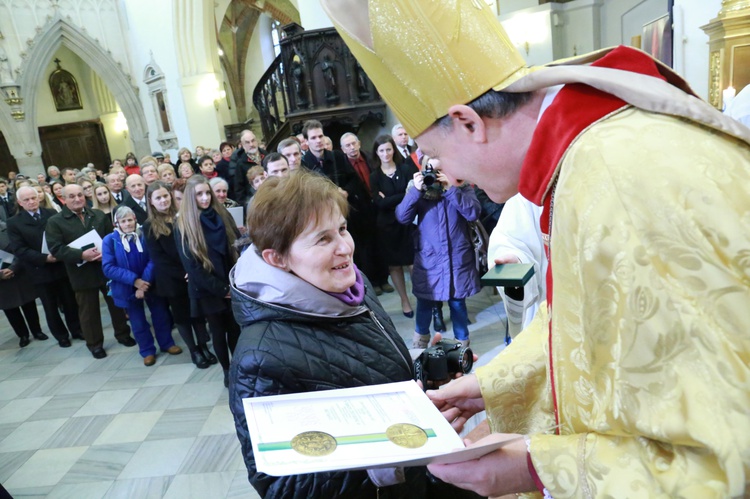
{"x":354,"y":295}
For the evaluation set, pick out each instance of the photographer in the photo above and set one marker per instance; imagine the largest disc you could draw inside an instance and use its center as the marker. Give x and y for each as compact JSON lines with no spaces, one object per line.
{"x":443,"y":212}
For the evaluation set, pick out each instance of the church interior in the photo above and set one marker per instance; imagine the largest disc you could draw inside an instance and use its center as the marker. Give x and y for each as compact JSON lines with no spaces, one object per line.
{"x":89,"y":81}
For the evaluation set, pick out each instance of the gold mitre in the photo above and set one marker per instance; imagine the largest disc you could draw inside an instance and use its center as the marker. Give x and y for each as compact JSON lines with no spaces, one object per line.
{"x":426,"y":55}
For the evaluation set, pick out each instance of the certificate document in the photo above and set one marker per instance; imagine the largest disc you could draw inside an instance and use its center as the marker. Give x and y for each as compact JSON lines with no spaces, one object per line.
{"x":89,"y":240}
{"x":386,"y":425}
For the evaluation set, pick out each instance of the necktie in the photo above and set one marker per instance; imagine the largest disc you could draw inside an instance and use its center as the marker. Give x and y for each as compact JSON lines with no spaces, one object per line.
{"x":37,"y":216}
{"x":117,"y":197}
{"x":406,"y":152}
{"x":142,"y":204}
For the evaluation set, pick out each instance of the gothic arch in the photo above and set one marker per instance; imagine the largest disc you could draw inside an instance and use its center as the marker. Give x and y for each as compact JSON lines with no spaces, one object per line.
{"x":9,"y":128}
{"x":60,"y":32}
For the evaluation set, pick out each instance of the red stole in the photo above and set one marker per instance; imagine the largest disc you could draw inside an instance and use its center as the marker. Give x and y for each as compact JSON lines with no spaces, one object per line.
{"x":575,"y":107}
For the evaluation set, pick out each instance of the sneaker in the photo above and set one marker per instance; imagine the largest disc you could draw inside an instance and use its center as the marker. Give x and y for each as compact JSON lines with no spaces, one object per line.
{"x":465,"y":343}
{"x":420,"y":340}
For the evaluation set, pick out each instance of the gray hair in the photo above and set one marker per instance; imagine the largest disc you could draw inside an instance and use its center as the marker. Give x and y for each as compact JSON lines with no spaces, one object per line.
{"x":216,"y":181}
{"x":396,"y":127}
{"x":20,"y":189}
{"x":124,"y":211}
{"x":51,"y":168}
{"x":347,"y":135}
{"x":291,"y":141}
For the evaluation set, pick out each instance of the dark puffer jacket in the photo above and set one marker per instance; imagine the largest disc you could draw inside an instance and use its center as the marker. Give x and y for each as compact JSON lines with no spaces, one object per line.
{"x":306,"y":341}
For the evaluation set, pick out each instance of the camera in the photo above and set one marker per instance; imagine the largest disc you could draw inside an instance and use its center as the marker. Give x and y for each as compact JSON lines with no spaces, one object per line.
{"x":443,"y":361}
{"x":429,"y":176}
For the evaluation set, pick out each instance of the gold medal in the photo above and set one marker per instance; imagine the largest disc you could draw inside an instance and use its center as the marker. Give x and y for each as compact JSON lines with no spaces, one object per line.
{"x":314,"y":443}
{"x":406,"y":435}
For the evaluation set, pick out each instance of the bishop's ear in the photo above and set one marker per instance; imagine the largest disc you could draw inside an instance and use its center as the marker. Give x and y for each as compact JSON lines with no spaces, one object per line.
{"x":273,"y":258}
{"x":467,"y":123}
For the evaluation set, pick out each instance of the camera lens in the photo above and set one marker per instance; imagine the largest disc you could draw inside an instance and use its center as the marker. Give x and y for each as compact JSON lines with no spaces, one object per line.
{"x":467,"y":360}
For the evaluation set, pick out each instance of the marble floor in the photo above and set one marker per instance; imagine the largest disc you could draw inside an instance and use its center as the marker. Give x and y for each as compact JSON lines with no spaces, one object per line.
{"x":72,"y":426}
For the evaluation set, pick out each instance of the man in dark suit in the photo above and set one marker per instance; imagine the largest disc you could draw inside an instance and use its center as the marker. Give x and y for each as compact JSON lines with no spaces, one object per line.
{"x":362,"y":217}
{"x":26,"y":233}
{"x":114,"y":182}
{"x":401,"y":138}
{"x":406,"y":151}
{"x":7,"y":199}
{"x":243,"y":158}
{"x":84,"y":268}
{"x":136,"y":187}
{"x":332,"y":164}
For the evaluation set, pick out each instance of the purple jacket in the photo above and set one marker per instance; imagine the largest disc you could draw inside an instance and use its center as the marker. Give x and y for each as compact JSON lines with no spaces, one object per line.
{"x":444,"y":266}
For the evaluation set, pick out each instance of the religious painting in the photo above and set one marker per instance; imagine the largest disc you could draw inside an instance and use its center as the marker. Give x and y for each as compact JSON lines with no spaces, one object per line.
{"x":657,"y":39}
{"x":64,"y":89}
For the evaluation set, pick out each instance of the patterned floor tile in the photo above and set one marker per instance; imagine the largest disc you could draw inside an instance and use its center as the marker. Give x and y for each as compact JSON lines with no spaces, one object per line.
{"x":125,"y":428}
{"x":139,"y":487}
{"x":200,"y":485}
{"x":158,"y":458}
{"x":180,"y":423}
{"x":198,"y":395}
{"x":212,"y":454}
{"x":31,"y":435}
{"x":19,"y":410}
{"x":79,"y":431}
{"x":11,"y":461}
{"x":106,"y":402}
{"x":54,"y":462}
{"x":101,"y":463}
{"x":61,"y":406}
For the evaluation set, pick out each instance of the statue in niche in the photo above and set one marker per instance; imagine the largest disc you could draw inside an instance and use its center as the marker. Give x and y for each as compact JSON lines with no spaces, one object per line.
{"x":298,"y":80}
{"x":64,"y":89}
{"x":363,"y":91}
{"x":6,"y":75}
{"x":329,"y":78}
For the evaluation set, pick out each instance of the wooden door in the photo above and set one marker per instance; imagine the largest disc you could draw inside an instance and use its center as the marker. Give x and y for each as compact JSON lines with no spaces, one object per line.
{"x":7,"y":161}
{"x":75,"y":145}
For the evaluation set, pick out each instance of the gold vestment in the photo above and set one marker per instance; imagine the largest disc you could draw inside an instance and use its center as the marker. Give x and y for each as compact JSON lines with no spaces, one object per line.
{"x":650,"y":335}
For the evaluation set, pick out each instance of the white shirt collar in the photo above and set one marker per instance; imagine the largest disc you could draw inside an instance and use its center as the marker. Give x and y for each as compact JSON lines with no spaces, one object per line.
{"x":549,"y":96}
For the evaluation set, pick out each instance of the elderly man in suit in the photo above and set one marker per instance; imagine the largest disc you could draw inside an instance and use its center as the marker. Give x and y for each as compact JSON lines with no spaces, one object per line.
{"x":136,"y":187}
{"x":366,"y":254}
{"x":26,"y":233}
{"x":85,"y":268}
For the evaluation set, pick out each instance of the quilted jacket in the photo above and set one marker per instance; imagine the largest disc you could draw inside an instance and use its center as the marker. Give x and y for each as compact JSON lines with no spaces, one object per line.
{"x":287,"y":350}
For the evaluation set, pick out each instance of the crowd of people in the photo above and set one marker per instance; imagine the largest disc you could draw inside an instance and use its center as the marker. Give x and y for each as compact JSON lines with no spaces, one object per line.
{"x":169,"y":241}
{"x":626,"y":192}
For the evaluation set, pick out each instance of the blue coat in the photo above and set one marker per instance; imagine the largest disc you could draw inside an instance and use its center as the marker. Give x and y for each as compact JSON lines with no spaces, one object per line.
{"x":444,"y":262}
{"x":122,"y":268}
